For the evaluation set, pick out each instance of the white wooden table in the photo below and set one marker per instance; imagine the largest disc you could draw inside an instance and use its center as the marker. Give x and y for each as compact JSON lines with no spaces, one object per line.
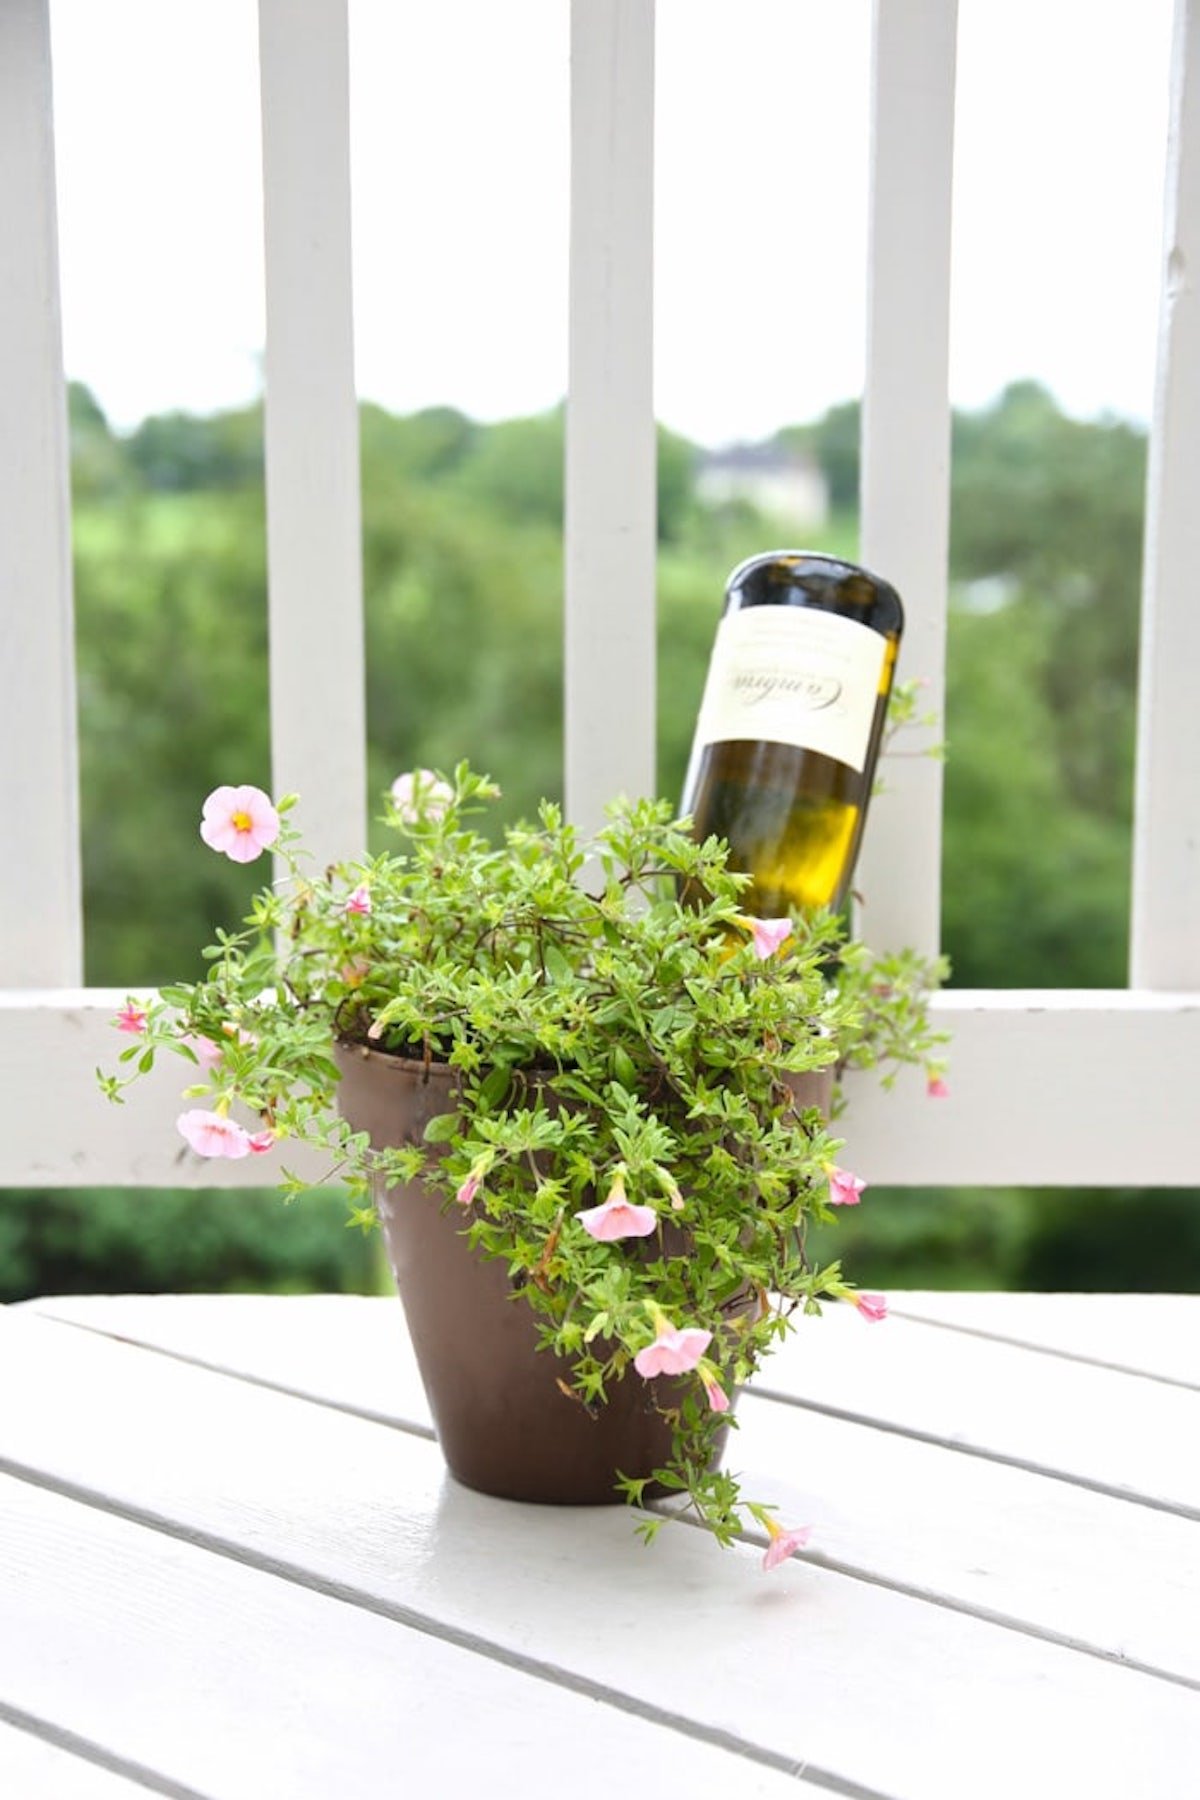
{"x":232,"y":1566}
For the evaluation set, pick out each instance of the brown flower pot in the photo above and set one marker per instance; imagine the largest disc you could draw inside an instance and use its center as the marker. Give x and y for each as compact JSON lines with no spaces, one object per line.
{"x":504,"y":1424}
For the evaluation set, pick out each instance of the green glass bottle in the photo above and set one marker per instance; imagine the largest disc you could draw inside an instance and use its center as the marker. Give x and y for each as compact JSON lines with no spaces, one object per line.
{"x":790,"y":724}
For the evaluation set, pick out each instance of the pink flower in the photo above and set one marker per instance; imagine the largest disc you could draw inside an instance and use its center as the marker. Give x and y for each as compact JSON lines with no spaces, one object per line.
{"x":871,"y":1306}
{"x":132,"y":1018}
{"x":240,"y":821}
{"x":420,"y":795}
{"x":616,"y":1218}
{"x":844,"y":1188}
{"x":259,"y":1142}
{"x":672,"y":1352}
{"x":783,"y":1543}
{"x":359,"y":902}
{"x":936,"y":1089}
{"x":210,"y":1134}
{"x":469,"y":1189}
{"x":718,"y":1399}
{"x":206,"y":1053}
{"x":768,"y":935}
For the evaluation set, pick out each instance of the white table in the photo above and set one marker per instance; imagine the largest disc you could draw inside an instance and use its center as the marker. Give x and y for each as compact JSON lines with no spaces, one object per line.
{"x":232,"y":1566}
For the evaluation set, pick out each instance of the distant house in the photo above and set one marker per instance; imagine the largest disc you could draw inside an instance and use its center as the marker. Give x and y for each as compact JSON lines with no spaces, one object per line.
{"x":786,"y":484}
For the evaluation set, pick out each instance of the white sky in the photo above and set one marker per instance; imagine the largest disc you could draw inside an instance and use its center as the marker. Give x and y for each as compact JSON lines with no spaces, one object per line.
{"x":460,"y":203}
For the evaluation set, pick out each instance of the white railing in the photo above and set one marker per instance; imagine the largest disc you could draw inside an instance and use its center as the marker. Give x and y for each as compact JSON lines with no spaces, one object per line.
{"x":1053,"y":1087}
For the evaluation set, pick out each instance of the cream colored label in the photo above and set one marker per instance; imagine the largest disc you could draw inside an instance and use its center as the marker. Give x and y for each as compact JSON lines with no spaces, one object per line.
{"x":792,"y":675}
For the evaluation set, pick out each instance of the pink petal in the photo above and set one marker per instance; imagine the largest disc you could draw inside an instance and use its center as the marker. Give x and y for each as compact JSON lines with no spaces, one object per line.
{"x":359,"y":902}
{"x":618,"y":1219}
{"x":673,"y":1352}
{"x":260,"y":1141}
{"x":784,"y":1544}
{"x":206,"y":1053}
{"x":769,"y":935}
{"x":132,"y":1018}
{"x":936,"y":1089}
{"x":871,"y":1306}
{"x":240,"y":822}
{"x":844,"y":1188}
{"x":209,"y":1134}
{"x":468,"y":1190}
{"x":718,"y":1399}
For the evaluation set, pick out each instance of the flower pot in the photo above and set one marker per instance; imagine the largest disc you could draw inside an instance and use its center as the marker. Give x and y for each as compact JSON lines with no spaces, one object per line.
{"x":504,"y":1424}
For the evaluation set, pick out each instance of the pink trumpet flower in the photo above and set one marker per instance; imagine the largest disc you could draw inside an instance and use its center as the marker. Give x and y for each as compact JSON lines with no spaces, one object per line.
{"x":768,"y":935}
{"x":718,"y":1399}
{"x":871,"y":1306}
{"x":240,"y":822}
{"x":359,"y":902}
{"x":616,"y":1217}
{"x":211,"y":1134}
{"x":206,"y":1053}
{"x":132,"y":1018}
{"x":783,"y":1543}
{"x":672,"y":1352}
{"x":845,"y":1189}
{"x":260,"y":1141}
{"x":936,"y":1088}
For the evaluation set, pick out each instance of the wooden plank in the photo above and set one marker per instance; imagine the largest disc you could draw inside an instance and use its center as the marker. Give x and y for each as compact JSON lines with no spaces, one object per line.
{"x":41,"y":930}
{"x":32,"y":1769}
{"x":235,"y":1683}
{"x":1164,"y":943}
{"x":611,"y":501}
{"x":995,"y":1540}
{"x":1117,"y":1433}
{"x":1064,"y":1064}
{"x":840,"y":1665}
{"x":906,"y":434}
{"x":314,"y":525}
{"x":1143,"y":1334}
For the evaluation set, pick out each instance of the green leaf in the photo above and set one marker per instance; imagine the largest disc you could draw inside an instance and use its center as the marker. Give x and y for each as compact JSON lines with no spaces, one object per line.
{"x":442,"y":1128}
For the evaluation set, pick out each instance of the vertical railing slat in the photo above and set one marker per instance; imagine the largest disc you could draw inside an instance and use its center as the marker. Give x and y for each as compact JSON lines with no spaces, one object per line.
{"x":1165,"y":932}
{"x":318,"y":722}
{"x":906,"y":435}
{"x":610,"y":468}
{"x":41,"y":936}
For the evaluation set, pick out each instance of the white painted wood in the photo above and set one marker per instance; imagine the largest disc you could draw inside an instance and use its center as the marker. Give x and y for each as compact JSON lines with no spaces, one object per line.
{"x":32,"y":1769}
{"x":1164,"y":941}
{"x":314,"y":529}
{"x":906,"y":437}
{"x":841,"y":1669}
{"x":236,"y":1683}
{"x":1121,"y":1433}
{"x":995,"y":1540}
{"x":1061,"y":1087}
{"x":611,"y":502}
{"x":41,"y":941}
{"x":1143,"y":1334}
{"x":1036,"y":1080}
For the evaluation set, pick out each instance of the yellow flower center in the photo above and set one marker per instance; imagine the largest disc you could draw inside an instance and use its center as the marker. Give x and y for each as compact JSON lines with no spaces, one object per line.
{"x":241,"y":821}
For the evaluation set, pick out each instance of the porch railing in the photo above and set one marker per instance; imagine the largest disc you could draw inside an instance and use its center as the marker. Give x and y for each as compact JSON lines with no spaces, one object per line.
{"x":1038,"y":1078}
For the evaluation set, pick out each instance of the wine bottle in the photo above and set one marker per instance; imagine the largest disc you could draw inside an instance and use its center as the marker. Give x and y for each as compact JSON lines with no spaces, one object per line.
{"x":790,"y":724}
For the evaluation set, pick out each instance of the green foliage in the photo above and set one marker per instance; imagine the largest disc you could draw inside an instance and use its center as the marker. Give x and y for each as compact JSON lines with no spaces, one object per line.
{"x":624,"y":1037}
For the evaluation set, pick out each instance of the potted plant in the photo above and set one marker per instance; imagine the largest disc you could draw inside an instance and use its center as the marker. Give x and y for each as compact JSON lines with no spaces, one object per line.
{"x":587,"y":1095}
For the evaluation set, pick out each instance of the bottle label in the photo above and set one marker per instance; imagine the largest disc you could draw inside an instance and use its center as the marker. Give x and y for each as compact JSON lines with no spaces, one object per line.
{"x":793,"y":675}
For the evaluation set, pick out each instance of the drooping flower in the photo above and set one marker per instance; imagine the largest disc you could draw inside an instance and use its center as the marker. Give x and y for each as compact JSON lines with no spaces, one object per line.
{"x":240,"y":822}
{"x":420,"y":795}
{"x":673,"y":1352}
{"x":206,"y":1053}
{"x":359,"y":902}
{"x":783,"y":1543}
{"x":259,"y":1142}
{"x":132,"y":1018}
{"x":767,"y":935}
{"x":845,"y":1189}
{"x":616,"y":1217}
{"x":718,"y":1399}
{"x":936,"y":1088}
{"x":871,"y":1306}
{"x":211,"y":1134}
{"x":475,"y":1175}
